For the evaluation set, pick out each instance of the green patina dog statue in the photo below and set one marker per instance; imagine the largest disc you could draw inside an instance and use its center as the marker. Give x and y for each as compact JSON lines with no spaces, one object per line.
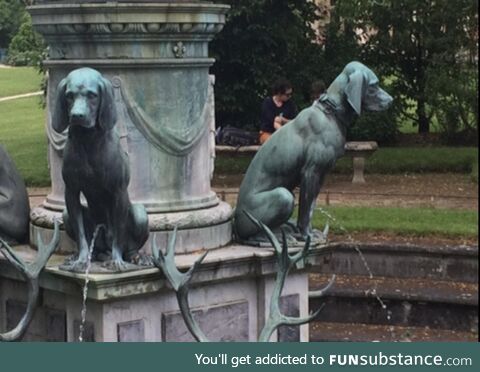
{"x":95,"y":165}
{"x":301,"y":154}
{"x":14,"y":207}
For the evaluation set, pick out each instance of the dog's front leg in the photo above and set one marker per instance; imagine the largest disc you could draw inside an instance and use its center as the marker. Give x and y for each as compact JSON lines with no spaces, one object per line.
{"x":75,"y":220}
{"x":117,"y":226}
{"x":310,"y":185}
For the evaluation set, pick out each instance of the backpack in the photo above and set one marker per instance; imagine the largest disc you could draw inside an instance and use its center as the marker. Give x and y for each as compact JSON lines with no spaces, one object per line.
{"x":230,"y":136}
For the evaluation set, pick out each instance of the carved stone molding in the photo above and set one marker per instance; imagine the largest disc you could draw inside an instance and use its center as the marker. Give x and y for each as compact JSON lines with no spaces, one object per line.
{"x":179,"y":50}
{"x":217,"y":215}
{"x":120,"y":19}
{"x":128,"y":28}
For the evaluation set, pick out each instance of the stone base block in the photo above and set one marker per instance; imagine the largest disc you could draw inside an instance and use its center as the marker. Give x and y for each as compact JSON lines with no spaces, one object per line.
{"x":230,"y":298}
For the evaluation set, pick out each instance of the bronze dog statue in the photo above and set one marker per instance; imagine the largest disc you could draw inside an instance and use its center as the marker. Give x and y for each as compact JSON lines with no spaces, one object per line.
{"x":302,"y":153}
{"x":95,"y":165}
{"x":14,"y":207}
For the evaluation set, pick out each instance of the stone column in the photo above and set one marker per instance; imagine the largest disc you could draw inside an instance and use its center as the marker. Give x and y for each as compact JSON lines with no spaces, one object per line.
{"x":156,"y":55}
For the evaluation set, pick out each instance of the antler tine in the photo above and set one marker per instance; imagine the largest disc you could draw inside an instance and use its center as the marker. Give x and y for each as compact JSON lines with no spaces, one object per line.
{"x":156,"y":253}
{"x":270,"y":235}
{"x":287,"y":320}
{"x":12,"y":257}
{"x":321,"y":292}
{"x":192,"y":269}
{"x":45,"y":251}
{"x":31,"y":273}
{"x":285,"y":263}
{"x":302,"y":253}
{"x":166,"y":262}
{"x":172,"y":241}
{"x":179,"y":281}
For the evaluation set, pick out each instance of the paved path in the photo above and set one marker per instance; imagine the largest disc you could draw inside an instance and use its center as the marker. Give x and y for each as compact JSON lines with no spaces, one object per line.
{"x":26,"y":95}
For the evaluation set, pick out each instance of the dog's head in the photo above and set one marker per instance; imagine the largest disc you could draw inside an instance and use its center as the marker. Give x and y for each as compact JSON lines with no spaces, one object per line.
{"x":362,"y":90}
{"x":84,"y":99}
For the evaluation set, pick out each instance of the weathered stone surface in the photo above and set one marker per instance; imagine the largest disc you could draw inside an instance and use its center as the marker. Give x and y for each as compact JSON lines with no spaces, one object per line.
{"x":457,"y":263}
{"x":290,"y":306}
{"x":133,"y":331}
{"x":219,"y":323}
{"x":233,"y":283}
{"x":47,"y":325}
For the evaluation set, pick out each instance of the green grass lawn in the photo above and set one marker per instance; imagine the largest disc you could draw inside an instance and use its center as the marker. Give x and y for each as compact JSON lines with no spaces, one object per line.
{"x":388,"y":160}
{"x":19,"y":80}
{"x":22,"y":133}
{"x":399,"y":221}
{"x":394,"y":160}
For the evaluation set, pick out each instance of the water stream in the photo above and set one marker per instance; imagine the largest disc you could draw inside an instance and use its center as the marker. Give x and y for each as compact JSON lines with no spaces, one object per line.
{"x":362,"y":257}
{"x":85,"y":287}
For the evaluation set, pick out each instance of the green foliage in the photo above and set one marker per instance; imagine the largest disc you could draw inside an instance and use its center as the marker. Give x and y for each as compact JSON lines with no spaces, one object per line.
{"x":341,"y":47}
{"x":27,"y":46}
{"x":263,"y":40}
{"x":375,"y":126}
{"x":11,"y":16}
{"x":400,"y":221}
{"x":457,"y":105}
{"x":415,"y":42}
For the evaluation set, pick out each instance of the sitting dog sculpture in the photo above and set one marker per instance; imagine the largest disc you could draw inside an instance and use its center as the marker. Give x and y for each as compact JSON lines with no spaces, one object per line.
{"x":302,"y":152}
{"x":14,"y":207}
{"x":95,"y":165}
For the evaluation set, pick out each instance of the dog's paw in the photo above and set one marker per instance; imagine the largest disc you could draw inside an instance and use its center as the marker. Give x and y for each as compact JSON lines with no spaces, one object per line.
{"x":75,"y":265}
{"x":141,"y":259}
{"x":117,"y":265}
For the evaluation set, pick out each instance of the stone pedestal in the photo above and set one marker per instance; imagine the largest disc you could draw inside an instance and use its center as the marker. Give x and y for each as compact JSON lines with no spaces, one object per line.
{"x":359,"y":152}
{"x":156,"y":56}
{"x":230,"y":296}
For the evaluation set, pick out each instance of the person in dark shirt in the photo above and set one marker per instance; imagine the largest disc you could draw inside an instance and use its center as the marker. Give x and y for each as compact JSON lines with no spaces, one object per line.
{"x":277,"y":110}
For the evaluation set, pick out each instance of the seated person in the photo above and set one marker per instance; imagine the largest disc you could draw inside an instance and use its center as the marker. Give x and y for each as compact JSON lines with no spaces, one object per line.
{"x":277,"y":110}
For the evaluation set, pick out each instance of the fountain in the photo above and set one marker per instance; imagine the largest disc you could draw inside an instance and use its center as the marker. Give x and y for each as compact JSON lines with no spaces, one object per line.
{"x":155,"y":54}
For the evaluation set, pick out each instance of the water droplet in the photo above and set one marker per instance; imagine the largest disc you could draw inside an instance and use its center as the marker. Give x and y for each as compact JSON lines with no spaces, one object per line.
{"x":85,"y":287}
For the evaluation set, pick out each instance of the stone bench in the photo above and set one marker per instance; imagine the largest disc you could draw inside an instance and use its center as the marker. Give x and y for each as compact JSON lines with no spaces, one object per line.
{"x":358,"y":151}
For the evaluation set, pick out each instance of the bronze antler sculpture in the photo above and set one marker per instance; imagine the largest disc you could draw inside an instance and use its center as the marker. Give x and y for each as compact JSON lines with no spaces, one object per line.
{"x":31,"y":273}
{"x":180,"y":283}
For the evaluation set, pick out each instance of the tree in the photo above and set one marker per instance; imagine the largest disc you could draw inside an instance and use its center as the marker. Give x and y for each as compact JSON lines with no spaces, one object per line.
{"x":263,"y":40}
{"x":27,"y":46}
{"x":413,"y":42}
{"x":11,"y":16}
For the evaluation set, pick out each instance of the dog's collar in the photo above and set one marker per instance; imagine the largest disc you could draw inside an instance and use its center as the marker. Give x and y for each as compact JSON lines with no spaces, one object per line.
{"x":330,"y":107}
{"x":327,"y":104}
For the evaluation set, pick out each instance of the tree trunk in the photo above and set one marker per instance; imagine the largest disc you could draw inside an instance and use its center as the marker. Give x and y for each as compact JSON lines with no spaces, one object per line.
{"x":423,"y":119}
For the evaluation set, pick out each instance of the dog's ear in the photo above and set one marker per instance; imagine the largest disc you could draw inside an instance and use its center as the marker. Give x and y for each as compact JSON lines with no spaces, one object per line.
{"x":355,"y":90}
{"x":107,"y":115}
{"x":60,"y":111}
